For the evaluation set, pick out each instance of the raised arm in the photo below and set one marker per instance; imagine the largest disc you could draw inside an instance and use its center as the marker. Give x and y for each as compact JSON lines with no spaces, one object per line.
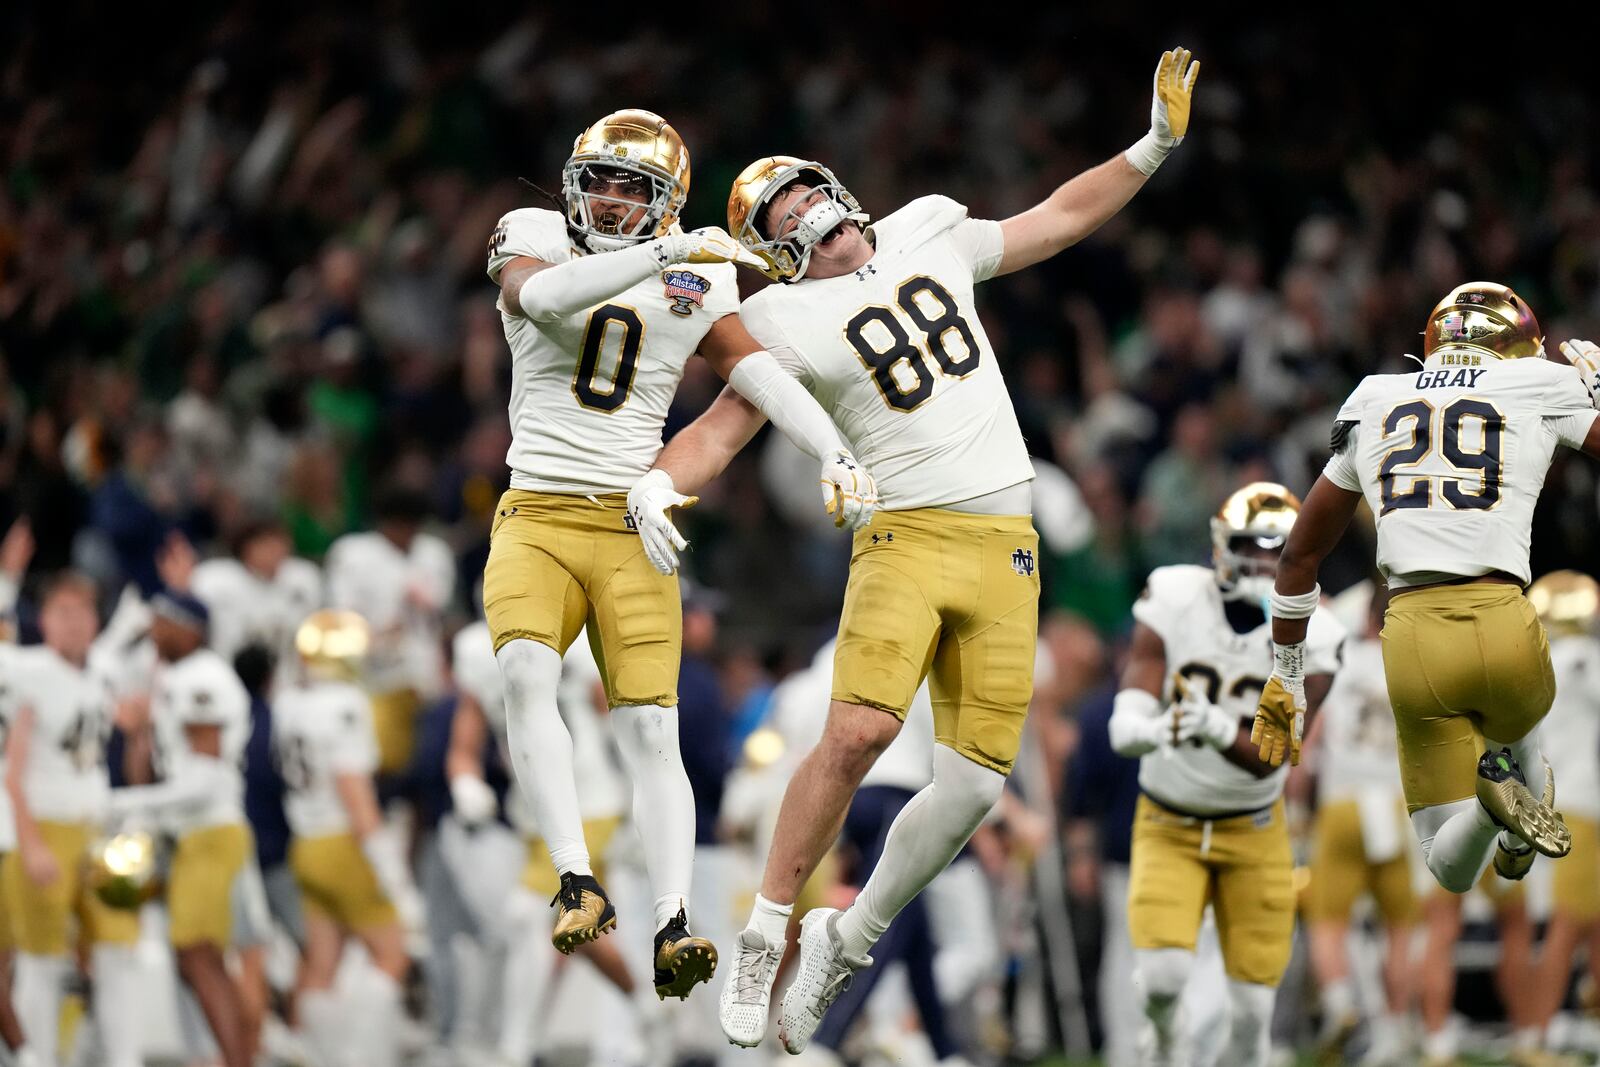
{"x":1084,"y":204}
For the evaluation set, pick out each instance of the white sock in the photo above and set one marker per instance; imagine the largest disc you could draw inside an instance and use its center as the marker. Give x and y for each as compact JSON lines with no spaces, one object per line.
{"x":663,"y":801}
{"x":529,"y":968}
{"x":1528,"y":756}
{"x":1338,"y":1001}
{"x":1457,"y":842}
{"x":1251,"y":1020}
{"x":771,"y":920}
{"x":36,"y":995}
{"x":922,"y":841}
{"x":1527,"y":1038}
{"x":1159,"y":978}
{"x":321,"y":1014}
{"x":374,"y":1025}
{"x":117,"y":1010}
{"x":541,"y":750}
{"x":1440,"y":1044}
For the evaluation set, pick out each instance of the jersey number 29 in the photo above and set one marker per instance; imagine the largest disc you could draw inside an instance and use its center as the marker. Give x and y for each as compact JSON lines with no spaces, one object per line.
{"x":1484,"y":461}
{"x":936,"y":314}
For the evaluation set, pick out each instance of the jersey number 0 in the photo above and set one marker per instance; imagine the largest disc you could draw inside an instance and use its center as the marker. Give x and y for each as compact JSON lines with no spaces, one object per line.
{"x":607,"y":321}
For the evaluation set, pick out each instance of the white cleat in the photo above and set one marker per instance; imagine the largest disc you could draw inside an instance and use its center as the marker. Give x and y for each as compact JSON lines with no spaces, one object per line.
{"x":823,"y":974}
{"x":747,"y":993}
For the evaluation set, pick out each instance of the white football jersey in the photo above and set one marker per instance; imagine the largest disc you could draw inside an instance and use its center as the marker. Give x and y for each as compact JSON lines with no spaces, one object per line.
{"x":247,"y":609}
{"x":896,"y":354}
{"x":202,"y":690}
{"x":65,"y":779}
{"x":1570,"y":734}
{"x":1183,"y":605}
{"x":402,"y":596}
{"x":602,"y":791}
{"x":590,"y":393}
{"x":1451,"y":459}
{"x":321,"y":730}
{"x":8,"y":825}
{"x":1358,"y":752}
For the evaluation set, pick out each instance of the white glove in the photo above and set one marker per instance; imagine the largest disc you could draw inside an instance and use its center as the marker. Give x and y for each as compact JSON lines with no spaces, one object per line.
{"x":848,"y":491}
{"x":709,"y":244}
{"x":1194,"y":718}
{"x":1585,"y":356}
{"x":1281,"y":717}
{"x":648,"y":503}
{"x":473,"y":800}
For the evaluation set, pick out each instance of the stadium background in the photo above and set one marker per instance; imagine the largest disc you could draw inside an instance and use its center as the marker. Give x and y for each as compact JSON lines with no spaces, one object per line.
{"x":241,"y":254}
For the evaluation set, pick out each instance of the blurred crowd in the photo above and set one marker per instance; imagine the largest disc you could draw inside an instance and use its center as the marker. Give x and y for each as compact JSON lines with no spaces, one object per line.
{"x":243,"y":315}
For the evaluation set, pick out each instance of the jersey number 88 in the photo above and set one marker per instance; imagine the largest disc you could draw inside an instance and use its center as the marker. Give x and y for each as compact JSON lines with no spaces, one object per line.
{"x":935,"y":321}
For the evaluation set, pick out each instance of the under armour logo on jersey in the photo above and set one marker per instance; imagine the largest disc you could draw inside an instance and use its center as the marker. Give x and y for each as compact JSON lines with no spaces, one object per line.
{"x":1022,"y":562}
{"x":880,"y":538}
{"x":866,"y":272}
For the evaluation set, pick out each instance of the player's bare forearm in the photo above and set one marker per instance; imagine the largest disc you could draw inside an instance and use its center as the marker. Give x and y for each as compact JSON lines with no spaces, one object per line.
{"x":360,"y":802}
{"x":1147,"y":661}
{"x":468,"y":733}
{"x":512,"y":278}
{"x":703,"y":449}
{"x":16,"y":752}
{"x":1323,"y":519}
{"x":1071,"y":213}
{"x":1246,"y":755}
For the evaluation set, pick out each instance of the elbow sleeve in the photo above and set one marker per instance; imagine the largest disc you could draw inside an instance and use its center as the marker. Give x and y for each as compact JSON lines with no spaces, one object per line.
{"x":1135,"y":725}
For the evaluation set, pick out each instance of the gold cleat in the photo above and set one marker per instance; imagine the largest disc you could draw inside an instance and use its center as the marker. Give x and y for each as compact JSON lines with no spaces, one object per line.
{"x":585,"y":912}
{"x":1514,"y":864}
{"x":1504,"y":795}
{"x":683,"y":961}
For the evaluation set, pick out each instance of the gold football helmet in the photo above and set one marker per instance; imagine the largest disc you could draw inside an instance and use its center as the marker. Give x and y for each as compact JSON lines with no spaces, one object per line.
{"x":788,"y":250}
{"x":1258,"y":516}
{"x":333,"y":644}
{"x":124,"y":870}
{"x":1486,"y":317}
{"x":630,"y":150}
{"x":1568,"y":602}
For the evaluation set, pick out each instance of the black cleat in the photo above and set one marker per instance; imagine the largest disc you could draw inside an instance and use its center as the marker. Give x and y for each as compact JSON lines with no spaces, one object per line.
{"x":683,"y":961}
{"x":585,"y":912}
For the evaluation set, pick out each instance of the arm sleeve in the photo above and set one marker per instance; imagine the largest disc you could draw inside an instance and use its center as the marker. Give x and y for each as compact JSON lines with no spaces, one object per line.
{"x":981,"y":244}
{"x":760,"y":380}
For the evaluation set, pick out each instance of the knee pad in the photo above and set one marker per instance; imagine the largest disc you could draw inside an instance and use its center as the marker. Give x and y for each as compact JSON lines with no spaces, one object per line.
{"x":646,"y":728}
{"x":1159,"y":974}
{"x":965,"y":787}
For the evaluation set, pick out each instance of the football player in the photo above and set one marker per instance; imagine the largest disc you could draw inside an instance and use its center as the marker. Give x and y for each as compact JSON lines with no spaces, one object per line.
{"x":349,"y":871}
{"x":1360,"y":846}
{"x":602,"y":307}
{"x":199,"y":716}
{"x":1450,"y":458}
{"x":60,"y":717}
{"x":879,"y":323}
{"x":1568,"y":604}
{"x":259,"y":595}
{"x":1210,"y":827}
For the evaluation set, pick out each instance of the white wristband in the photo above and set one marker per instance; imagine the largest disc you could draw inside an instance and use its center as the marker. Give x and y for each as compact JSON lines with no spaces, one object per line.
{"x":1296,"y":605}
{"x":1290,"y":660}
{"x":1148,"y":152}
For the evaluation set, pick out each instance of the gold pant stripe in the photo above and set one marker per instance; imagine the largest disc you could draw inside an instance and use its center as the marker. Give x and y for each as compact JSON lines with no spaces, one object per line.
{"x":1241,"y":866}
{"x":1341,"y":873}
{"x":337,"y":881}
{"x":41,"y":917}
{"x":201,"y":884}
{"x":1462,"y":662}
{"x":559,"y":561}
{"x":954,"y":598}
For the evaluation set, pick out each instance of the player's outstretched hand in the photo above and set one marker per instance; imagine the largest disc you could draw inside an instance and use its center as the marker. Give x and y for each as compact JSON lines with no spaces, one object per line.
{"x":709,"y":244}
{"x":649,"y":502}
{"x":848,"y":491}
{"x":1281,"y":716}
{"x":1175,"y":78}
{"x":1585,"y":356}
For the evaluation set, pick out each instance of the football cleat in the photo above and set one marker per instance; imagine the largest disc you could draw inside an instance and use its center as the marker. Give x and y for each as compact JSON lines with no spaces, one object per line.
{"x":585,"y":912}
{"x":1513,"y":864}
{"x":683,"y":961}
{"x":747,"y":994}
{"x":824,"y":972}
{"x":1504,"y":794}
